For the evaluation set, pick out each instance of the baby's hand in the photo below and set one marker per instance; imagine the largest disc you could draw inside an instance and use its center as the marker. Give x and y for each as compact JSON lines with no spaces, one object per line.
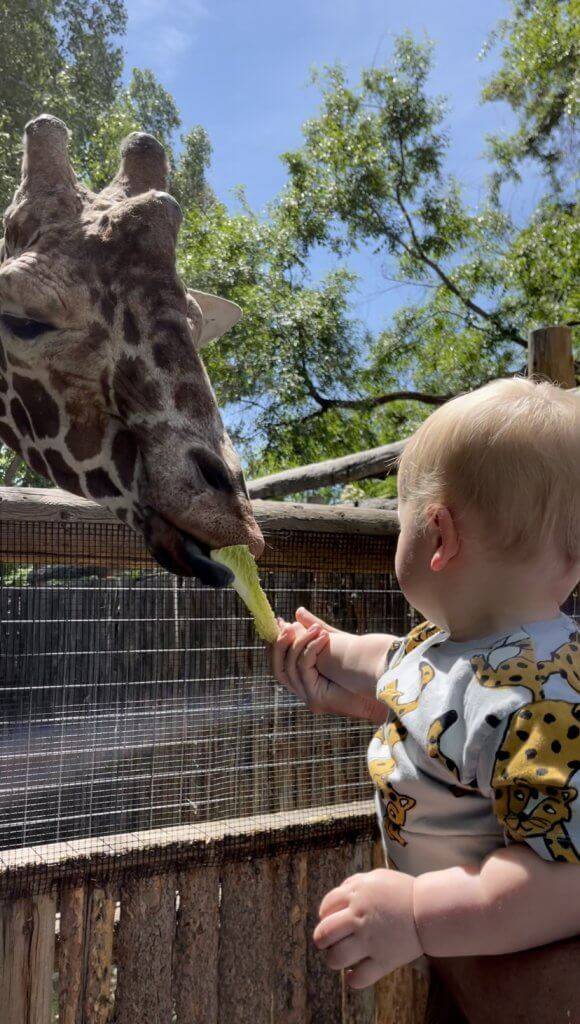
{"x":367,"y":926}
{"x":294,"y":657}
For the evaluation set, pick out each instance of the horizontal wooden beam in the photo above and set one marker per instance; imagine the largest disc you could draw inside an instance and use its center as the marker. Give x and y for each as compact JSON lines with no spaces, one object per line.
{"x":24,"y":872}
{"x":298,"y":536}
{"x":375,"y":462}
{"x":51,"y":505}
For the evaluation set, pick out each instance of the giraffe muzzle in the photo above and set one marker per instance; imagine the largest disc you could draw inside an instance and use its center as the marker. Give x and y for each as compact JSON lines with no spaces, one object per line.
{"x":180,"y":553}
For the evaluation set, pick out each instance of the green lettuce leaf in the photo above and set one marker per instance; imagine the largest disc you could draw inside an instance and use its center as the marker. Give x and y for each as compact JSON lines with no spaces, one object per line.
{"x":247,"y":584}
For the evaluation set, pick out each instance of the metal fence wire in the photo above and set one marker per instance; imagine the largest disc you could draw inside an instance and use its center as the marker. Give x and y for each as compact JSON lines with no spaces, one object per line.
{"x":132,"y":701}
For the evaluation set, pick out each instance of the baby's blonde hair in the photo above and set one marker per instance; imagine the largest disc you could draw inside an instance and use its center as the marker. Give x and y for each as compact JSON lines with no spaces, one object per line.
{"x":509,"y":452}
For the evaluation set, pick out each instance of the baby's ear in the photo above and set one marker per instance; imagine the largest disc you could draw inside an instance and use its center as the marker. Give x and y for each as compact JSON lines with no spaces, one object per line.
{"x":210,"y":316}
{"x":442,"y":527}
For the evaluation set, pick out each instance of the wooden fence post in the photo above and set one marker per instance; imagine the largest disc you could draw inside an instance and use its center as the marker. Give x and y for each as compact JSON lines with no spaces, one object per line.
{"x":550,"y":355}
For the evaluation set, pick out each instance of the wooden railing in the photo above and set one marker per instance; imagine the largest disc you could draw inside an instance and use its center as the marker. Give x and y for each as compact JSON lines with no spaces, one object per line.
{"x":205,"y":923}
{"x":204,"y":943}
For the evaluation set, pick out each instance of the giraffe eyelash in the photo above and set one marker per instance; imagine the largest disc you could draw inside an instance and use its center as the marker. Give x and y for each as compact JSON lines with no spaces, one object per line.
{"x":23,"y":327}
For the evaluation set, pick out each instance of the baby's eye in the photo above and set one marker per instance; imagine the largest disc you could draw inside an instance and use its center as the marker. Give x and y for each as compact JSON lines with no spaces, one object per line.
{"x":23,"y":327}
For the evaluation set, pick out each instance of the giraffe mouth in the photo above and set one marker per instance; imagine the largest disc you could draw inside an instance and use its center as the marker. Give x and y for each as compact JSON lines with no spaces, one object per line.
{"x":181,"y":553}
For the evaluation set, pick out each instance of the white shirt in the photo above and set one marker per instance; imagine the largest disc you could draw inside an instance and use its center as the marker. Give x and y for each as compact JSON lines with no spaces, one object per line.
{"x":481,"y":746}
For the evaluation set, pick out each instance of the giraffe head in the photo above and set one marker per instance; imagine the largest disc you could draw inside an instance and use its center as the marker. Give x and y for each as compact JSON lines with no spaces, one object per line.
{"x":102,"y":388}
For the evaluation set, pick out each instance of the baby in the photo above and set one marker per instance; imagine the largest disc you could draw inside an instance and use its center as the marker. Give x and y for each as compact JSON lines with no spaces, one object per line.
{"x":476,"y":761}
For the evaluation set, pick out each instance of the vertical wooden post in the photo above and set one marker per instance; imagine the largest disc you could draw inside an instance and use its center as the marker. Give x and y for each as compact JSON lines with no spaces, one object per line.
{"x":71,"y":954}
{"x":550,"y":355}
{"x":195,"y":954}
{"x":145,"y":950}
{"x":27,"y":935}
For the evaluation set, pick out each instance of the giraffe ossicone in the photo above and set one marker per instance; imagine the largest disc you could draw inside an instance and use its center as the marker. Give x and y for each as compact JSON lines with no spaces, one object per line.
{"x":102,"y":388}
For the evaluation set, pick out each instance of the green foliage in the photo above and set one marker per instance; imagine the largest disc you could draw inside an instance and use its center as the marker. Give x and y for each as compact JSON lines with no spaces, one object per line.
{"x":189,"y":183}
{"x":299,"y":377}
{"x":60,"y":56}
{"x":539,"y":78}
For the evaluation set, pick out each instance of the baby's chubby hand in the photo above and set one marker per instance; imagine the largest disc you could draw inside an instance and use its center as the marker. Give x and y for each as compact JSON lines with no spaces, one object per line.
{"x":294,"y":659}
{"x":367,"y":926}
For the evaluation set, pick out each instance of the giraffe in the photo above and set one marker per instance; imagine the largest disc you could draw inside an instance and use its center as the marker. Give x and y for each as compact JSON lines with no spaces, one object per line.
{"x":102,"y":388}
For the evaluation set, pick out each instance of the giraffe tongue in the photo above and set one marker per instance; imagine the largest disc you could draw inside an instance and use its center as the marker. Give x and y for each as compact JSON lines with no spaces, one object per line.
{"x":180,"y":553}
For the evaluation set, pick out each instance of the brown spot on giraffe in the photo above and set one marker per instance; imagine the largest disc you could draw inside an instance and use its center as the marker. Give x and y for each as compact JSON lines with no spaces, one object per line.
{"x":61,"y":472}
{"x":100,"y":485}
{"x":39,"y":404}
{"x":21,"y":418}
{"x":86,"y":442}
{"x":172,"y":346}
{"x":108,"y":306}
{"x":135,"y":391}
{"x":124,"y":453}
{"x":35,"y":459}
{"x":189,"y":397}
{"x":131,"y":328}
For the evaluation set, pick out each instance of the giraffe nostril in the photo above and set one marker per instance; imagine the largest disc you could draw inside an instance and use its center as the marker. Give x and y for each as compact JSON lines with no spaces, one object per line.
{"x":213,"y":470}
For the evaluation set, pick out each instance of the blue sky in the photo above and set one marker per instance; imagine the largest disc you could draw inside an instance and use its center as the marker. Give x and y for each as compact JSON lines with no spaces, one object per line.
{"x":241,"y":68}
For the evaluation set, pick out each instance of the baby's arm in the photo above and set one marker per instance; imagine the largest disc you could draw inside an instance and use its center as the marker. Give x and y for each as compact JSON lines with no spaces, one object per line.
{"x":332,"y":672}
{"x":354,"y":662}
{"x":515,"y":900}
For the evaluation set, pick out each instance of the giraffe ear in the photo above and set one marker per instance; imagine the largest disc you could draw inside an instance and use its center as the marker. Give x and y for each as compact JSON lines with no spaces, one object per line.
{"x":217,"y":316}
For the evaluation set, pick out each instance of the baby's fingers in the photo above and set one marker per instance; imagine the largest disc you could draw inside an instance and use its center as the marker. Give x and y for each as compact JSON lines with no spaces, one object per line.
{"x":312,"y":651}
{"x":280,"y":649}
{"x":294,"y":658}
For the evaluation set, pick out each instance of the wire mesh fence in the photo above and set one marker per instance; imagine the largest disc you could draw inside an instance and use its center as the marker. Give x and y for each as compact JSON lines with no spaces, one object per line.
{"x":138,"y":714}
{"x":133,"y":701}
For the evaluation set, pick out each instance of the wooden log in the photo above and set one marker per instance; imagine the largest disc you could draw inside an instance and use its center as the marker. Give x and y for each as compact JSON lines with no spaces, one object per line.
{"x":245,"y":943}
{"x":43,"y":505}
{"x":359,"y":1006}
{"x":195,"y":955}
{"x":73,"y":907}
{"x":26,"y":515}
{"x":550,"y":355}
{"x":145,"y":951}
{"x":98,"y":956}
{"x":27,"y":940}
{"x":289,"y":938}
{"x":400,"y":997}
{"x":375,"y":462}
{"x":203,"y":843}
{"x":326,"y":870}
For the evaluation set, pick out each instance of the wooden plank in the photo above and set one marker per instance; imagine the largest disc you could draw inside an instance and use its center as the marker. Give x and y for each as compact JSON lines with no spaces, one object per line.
{"x":359,"y":1006}
{"x":145,"y":951}
{"x":550,"y":355}
{"x":52,"y":505}
{"x":96,"y":538}
{"x":73,"y":908}
{"x":245,"y":943}
{"x":202,"y":843}
{"x":289,"y":938}
{"x":400,"y":997}
{"x":195,"y":955}
{"x":27,"y":939}
{"x":98,"y":956}
{"x":326,"y":870}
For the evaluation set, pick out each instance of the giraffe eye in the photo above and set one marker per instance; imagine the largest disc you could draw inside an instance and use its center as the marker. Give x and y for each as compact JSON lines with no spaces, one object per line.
{"x":24,"y":327}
